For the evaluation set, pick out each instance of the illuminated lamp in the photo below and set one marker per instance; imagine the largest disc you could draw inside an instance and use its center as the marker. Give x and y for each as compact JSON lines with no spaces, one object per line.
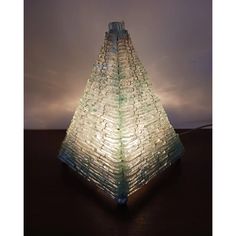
{"x":120,"y":136}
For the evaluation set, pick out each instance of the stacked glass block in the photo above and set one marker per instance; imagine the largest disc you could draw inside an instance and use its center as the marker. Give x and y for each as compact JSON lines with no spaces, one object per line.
{"x":120,"y":136}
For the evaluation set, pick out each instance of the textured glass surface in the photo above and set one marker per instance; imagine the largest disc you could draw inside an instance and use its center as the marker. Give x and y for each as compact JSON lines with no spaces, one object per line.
{"x":120,"y":136}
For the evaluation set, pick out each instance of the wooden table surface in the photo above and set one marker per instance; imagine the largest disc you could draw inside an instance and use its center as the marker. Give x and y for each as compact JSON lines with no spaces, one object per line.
{"x":59,"y":202}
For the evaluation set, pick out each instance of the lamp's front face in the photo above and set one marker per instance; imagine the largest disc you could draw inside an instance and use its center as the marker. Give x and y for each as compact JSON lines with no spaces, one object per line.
{"x":120,"y":136}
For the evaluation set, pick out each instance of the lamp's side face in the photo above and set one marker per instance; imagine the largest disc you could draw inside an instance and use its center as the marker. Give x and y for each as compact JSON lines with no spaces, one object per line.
{"x":120,"y":136}
{"x":149,"y":141}
{"x":93,"y":136}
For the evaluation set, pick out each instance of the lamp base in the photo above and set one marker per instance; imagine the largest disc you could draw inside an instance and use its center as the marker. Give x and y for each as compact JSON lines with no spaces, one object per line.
{"x":122,"y":200}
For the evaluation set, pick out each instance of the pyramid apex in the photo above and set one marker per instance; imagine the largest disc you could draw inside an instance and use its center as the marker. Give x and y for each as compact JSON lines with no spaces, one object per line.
{"x":116,"y":26}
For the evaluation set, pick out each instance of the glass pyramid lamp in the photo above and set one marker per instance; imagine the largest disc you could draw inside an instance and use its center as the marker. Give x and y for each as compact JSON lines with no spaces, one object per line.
{"x":120,"y":136}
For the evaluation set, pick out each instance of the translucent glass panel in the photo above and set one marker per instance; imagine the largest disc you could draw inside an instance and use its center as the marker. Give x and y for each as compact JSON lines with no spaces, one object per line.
{"x":120,"y":136}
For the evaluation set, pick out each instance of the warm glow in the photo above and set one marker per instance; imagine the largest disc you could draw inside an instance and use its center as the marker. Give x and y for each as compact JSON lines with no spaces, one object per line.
{"x":120,"y":136}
